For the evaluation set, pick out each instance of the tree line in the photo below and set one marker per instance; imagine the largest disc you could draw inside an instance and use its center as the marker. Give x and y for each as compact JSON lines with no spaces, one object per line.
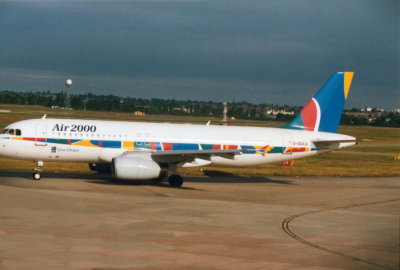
{"x":237,"y":110}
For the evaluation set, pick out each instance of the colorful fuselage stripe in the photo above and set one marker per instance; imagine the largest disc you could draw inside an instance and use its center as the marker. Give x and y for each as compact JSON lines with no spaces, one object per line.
{"x":166,"y":146}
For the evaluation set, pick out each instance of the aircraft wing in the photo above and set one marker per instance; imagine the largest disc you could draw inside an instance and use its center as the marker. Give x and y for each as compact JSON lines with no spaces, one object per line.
{"x":174,"y":156}
{"x":330,"y":144}
{"x":190,"y":155}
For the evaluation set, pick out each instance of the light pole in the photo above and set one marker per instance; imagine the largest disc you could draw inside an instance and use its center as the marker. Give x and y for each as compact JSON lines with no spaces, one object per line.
{"x":67,"y":105}
{"x":225,"y":114}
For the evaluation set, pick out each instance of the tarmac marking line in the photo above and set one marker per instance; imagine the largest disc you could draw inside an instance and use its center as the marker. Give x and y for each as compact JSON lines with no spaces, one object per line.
{"x":285,"y":227}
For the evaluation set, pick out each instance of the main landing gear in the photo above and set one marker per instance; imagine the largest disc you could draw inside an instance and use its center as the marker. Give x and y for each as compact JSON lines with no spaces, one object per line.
{"x":163,"y":175}
{"x":175,"y":180}
{"x":37,"y":170}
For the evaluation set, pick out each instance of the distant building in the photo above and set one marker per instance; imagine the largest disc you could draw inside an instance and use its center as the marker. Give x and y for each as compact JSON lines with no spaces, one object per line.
{"x":370,"y":109}
{"x":275,"y":112}
{"x":366,"y":109}
{"x":396,"y":110}
{"x":139,"y":113}
{"x":182,"y":109}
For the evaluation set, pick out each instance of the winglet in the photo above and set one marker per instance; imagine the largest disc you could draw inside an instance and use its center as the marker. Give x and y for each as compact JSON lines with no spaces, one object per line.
{"x":44,"y":116}
{"x":324,"y":110}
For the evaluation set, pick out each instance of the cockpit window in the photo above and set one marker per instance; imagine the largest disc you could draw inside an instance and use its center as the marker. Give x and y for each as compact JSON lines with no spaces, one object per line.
{"x":16,"y":132}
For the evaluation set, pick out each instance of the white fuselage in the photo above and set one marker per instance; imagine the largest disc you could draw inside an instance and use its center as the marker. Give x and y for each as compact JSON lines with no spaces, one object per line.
{"x":94,"y":141}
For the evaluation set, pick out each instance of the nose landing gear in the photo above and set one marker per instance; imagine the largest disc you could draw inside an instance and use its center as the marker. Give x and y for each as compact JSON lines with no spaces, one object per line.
{"x":37,"y":170}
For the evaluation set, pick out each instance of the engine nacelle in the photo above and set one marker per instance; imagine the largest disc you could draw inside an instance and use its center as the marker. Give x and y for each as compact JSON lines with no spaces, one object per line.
{"x":134,"y":168}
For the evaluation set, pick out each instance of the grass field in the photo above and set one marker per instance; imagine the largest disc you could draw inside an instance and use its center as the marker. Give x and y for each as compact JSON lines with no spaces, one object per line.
{"x":374,"y":156}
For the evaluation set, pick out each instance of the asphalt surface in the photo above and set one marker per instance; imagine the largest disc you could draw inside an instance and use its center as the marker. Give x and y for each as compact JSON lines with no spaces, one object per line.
{"x":87,"y":221}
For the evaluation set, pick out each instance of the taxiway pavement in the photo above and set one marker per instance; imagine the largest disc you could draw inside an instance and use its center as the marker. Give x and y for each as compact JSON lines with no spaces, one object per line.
{"x":86,"y":221}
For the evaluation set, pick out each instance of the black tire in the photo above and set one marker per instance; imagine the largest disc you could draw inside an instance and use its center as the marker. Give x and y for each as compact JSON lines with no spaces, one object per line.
{"x":175,"y":180}
{"x":36,"y":176}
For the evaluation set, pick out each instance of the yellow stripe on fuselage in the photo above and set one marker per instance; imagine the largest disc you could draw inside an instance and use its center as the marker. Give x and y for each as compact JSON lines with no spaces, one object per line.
{"x":85,"y":143}
{"x":128,"y":145}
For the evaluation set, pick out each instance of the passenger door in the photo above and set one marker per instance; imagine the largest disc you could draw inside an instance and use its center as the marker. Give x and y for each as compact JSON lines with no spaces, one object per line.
{"x":41,"y":134}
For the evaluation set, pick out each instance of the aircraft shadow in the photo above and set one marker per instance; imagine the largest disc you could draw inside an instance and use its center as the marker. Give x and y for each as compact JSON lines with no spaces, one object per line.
{"x":106,"y":179}
{"x":237,"y":179}
{"x":56,"y":175}
{"x":214,"y":176}
{"x":113,"y":182}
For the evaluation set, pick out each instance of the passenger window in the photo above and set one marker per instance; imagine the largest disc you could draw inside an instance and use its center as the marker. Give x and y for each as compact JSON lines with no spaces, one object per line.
{"x":18,"y":132}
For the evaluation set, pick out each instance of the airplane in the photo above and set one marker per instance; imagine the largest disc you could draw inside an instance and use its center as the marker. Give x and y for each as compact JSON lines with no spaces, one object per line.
{"x":138,"y":150}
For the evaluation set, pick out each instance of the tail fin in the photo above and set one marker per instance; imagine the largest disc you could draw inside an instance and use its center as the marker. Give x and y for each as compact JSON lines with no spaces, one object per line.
{"x":324,"y":110}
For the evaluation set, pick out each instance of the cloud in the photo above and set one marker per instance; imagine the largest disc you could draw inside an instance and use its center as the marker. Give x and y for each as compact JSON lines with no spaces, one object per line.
{"x":239,"y":44}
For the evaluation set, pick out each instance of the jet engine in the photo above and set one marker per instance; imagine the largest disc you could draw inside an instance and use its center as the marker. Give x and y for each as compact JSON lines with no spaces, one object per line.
{"x":134,"y":168}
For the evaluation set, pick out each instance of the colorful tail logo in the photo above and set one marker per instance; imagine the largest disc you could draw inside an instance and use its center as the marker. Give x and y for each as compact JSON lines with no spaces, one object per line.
{"x":324,"y":110}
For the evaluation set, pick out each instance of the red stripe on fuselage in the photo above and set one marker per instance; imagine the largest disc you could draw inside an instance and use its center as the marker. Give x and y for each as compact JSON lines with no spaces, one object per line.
{"x":33,"y":139}
{"x":216,"y":147}
{"x":153,"y":146}
{"x":230,"y":147}
{"x":167,"y":146}
{"x":298,"y":149}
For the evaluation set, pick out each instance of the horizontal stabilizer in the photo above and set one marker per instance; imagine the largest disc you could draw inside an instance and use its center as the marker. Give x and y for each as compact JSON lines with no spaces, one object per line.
{"x":331,"y":144}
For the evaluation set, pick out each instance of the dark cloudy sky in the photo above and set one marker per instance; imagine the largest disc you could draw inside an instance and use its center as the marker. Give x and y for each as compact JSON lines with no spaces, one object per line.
{"x":275,"y":51}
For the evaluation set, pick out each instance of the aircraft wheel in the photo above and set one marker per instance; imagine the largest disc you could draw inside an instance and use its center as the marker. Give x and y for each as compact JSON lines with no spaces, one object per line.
{"x":175,"y":180}
{"x":36,"y":176}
